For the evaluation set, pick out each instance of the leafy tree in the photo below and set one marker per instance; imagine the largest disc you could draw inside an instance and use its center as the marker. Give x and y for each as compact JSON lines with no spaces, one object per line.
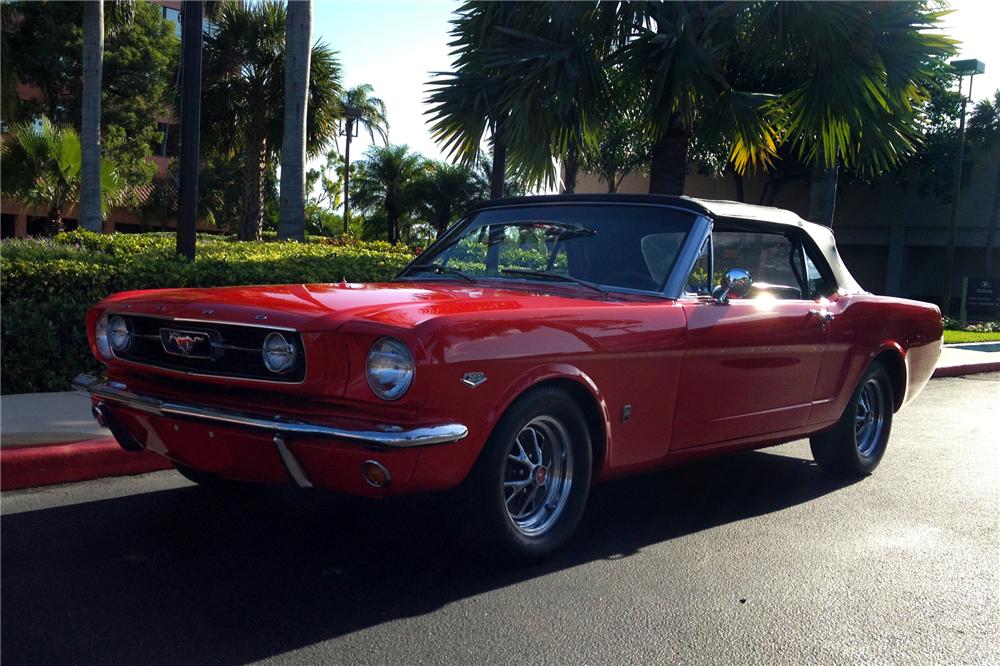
{"x":681,"y":54}
{"x":388,"y":186}
{"x":243,"y":98}
{"x":623,"y":144}
{"x":42,"y":169}
{"x":446,"y":191}
{"x":467,"y":103}
{"x":298,"y":33}
{"x":140,"y":57}
{"x":861,"y":72}
{"x":368,"y":111}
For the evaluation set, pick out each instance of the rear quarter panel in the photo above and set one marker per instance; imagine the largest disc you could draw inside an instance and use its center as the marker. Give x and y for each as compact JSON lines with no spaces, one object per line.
{"x":867,"y":325}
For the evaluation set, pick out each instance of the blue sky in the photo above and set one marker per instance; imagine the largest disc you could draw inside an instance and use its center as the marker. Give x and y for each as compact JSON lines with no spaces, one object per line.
{"x":395,"y":44}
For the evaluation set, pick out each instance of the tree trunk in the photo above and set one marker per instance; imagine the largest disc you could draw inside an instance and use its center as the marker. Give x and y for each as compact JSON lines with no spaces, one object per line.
{"x":187,"y":190}
{"x":298,"y":36}
{"x":444,"y":219}
{"x":612,"y":181}
{"x":823,"y":195}
{"x":252,"y":205}
{"x":572,"y":166}
{"x":54,"y":224}
{"x":738,"y":181}
{"x":669,"y":163}
{"x":499,"y":174}
{"x":90,"y":123}
{"x":347,"y":179}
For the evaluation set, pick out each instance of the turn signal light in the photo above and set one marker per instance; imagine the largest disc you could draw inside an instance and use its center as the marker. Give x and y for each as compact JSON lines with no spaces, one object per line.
{"x":375,"y":474}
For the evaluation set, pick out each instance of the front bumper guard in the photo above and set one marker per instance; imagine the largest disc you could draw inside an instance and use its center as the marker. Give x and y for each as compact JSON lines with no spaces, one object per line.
{"x":383,"y":436}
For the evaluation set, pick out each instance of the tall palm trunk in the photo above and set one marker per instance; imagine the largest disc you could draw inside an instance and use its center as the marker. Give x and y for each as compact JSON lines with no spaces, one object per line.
{"x":669,"y":162}
{"x":252,"y":205}
{"x":823,"y":194}
{"x":499,"y":174}
{"x":443,"y":220}
{"x":571,"y":167}
{"x":292,"y":212}
{"x":90,"y":125}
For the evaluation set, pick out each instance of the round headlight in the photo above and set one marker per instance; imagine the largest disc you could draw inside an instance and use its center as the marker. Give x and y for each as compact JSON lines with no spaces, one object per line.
{"x":118,"y":334}
{"x":101,"y":337}
{"x":389,"y":368}
{"x":279,"y":354}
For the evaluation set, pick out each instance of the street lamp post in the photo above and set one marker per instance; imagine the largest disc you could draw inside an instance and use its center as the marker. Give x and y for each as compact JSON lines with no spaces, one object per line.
{"x":351,"y":115}
{"x":962,"y":68}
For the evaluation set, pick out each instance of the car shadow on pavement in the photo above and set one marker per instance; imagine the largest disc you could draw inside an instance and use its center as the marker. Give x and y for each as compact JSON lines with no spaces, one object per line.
{"x":183,"y":575}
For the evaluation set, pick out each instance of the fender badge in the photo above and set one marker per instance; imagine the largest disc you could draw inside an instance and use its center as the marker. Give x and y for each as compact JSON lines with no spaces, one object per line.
{"x":473,"y":379}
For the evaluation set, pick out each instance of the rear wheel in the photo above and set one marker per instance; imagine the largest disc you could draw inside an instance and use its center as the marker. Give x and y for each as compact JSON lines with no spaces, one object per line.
{"x":856,"y":444}
{"x":530,"y":485}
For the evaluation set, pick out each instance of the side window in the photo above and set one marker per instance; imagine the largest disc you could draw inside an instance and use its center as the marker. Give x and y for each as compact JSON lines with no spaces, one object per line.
{"x":817,"y":284}
{"x":770,"y":258}
{"x":697,"y":283}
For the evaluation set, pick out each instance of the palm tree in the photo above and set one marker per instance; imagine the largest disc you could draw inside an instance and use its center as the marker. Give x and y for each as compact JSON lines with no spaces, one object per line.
{"x":388,"y":184}
{"x":682,"y":52}
{"x":467,"y":103}
{"x":298,"y":35}
{"x":243,"y":98}
{"x":43,"y":166}
{"x":861,"y":72}
{"x":363,"y":109}
{"x":446,"y":191}
{"x":90,"y":125}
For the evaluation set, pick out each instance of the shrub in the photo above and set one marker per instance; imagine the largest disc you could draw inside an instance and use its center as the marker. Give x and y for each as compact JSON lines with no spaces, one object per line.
{"x":46,"y":286}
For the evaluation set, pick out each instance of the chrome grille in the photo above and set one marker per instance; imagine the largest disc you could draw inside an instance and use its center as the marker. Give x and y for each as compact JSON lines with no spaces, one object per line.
{"x":216,"y":349}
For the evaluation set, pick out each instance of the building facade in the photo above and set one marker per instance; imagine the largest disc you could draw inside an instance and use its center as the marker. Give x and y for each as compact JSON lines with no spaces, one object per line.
{"x":893,"y":240}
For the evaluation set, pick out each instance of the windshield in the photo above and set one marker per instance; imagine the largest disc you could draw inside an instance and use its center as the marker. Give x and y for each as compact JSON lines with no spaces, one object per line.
{"x":619,"y":246}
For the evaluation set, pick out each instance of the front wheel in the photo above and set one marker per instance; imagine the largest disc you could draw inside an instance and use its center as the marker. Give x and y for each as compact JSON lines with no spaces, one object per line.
{"x":856,"y":444}
{"x":529,"y":487}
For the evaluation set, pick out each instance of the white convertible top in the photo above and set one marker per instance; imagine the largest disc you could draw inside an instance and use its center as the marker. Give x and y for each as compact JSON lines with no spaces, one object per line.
{"x":735,"y":211}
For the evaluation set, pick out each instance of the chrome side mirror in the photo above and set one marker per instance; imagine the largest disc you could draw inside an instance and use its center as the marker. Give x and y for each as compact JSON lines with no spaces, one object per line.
{"x":736,"y":282}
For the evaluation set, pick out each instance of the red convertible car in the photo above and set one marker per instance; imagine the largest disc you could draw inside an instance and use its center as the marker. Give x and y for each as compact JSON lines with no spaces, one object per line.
{"x":541,"y":345}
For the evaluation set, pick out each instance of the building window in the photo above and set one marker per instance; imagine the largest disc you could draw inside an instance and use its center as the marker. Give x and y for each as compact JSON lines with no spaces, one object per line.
{"x":174,"y":17}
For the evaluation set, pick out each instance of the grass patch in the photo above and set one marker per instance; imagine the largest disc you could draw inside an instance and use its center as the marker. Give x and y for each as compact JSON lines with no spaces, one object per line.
{"x":952,"y":337}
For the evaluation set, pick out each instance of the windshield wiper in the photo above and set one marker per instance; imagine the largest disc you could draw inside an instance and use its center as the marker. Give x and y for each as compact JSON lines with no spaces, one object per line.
{"x":441,"y":269}
{"x":554,"y":276}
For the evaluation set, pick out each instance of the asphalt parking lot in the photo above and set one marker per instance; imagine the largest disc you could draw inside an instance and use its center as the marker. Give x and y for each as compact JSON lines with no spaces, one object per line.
{"x":756,"y":558}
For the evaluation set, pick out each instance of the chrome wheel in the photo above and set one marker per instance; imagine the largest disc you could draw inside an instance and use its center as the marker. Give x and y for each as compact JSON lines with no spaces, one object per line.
{"x":538,"y":475}
{"x":869,"y":417}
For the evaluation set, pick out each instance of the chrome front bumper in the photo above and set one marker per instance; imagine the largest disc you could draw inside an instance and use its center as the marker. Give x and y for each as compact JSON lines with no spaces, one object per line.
{"x":383,"y":436}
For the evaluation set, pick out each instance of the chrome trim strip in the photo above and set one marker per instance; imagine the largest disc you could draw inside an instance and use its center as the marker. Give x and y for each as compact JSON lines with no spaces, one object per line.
{"x":291,"y":463}
{"x":187,"y":320}
{"x":387,"y":436}
{"x":687,"y":257}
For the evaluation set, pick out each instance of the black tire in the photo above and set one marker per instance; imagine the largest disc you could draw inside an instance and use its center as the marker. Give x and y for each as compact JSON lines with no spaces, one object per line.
{"x":488,"y":526}
{"x":211,"y":481}
{"x":855,"y":445}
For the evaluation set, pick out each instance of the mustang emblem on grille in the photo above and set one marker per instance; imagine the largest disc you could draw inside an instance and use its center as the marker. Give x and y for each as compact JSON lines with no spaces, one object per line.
{"x":186,"y":343}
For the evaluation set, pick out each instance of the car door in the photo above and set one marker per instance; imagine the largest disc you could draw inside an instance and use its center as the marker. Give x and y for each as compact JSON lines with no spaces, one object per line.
{"x":750,"y":365}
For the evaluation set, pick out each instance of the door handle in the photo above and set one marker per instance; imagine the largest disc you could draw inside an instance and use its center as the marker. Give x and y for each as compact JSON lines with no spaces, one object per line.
{"x":825,"y":316}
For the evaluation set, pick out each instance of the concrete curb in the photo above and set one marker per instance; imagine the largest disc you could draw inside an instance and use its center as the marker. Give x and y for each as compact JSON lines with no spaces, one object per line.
{"x":965,"y":369}
{"x":31,"y":466}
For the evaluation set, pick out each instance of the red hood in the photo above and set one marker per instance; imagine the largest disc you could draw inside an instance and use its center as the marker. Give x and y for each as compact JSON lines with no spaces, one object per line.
{"x":327,"y":306}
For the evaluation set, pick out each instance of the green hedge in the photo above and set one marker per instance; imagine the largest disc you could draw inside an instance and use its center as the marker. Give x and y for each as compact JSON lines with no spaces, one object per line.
{"x":46,"y":286}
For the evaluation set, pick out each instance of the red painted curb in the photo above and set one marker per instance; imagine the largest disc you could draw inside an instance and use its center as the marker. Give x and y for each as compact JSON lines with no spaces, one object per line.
{"x":967,"y":369}
{"x":30,"y":466}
